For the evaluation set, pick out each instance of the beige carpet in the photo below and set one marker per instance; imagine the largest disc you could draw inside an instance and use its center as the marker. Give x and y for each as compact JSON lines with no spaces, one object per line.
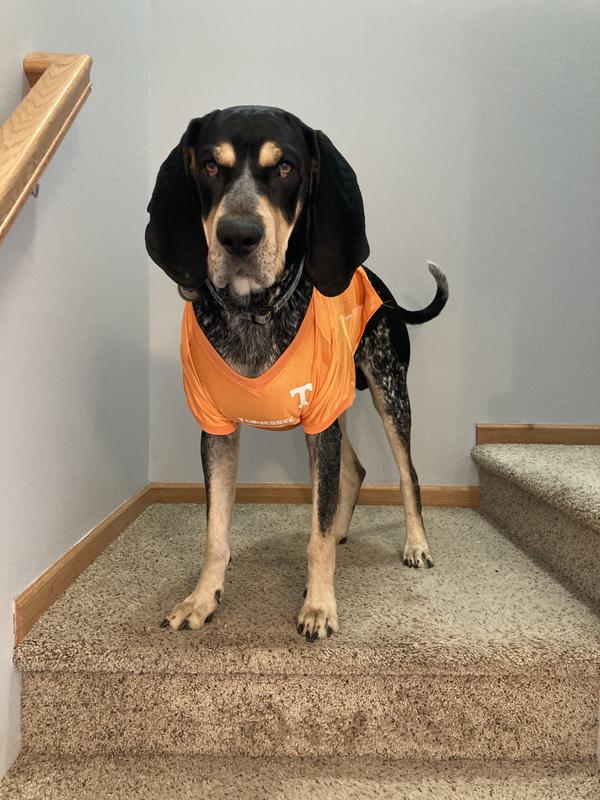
{"x":180,"y":778}
{"x":485,"y":604}
{"x":546,"y":498}
{"x":567,"y":477}
{"x":484,"y":656}
{"x":565,"y":545}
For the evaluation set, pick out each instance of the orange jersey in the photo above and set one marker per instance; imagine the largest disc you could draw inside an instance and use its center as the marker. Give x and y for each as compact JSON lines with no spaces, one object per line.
{"x":312,"y":382}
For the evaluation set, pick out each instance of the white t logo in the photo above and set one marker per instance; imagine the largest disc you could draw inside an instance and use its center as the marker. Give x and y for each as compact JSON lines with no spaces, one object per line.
{"x":301,"y":392}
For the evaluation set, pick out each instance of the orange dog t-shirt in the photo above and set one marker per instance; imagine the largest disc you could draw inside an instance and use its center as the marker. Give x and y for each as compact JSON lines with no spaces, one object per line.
{"x":312,"y":382}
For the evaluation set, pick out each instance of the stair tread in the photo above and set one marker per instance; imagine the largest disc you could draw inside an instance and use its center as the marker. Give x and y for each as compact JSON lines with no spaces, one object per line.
{"x":367,"y":778}
{"x":565,"y":476}
{"x":485,"y":608}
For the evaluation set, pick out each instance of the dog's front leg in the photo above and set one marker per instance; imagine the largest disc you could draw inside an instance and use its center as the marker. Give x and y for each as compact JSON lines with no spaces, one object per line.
{"x":219,"y":462}
{"x":318,"y":617}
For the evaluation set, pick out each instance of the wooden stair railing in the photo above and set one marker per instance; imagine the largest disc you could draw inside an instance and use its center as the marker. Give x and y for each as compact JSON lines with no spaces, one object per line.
{"x":60,"y":84}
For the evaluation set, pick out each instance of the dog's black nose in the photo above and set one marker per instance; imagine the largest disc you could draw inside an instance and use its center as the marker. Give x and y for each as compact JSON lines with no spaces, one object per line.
{"x":239,"y":235}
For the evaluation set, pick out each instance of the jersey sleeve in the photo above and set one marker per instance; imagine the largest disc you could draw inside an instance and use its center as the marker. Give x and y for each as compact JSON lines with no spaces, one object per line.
{"x":334,"y":387}
{"x":341,"y":321}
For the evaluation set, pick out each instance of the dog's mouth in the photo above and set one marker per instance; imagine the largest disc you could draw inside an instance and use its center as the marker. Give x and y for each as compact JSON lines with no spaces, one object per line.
{"x":246,"y":274}
{"x":242,"y":278}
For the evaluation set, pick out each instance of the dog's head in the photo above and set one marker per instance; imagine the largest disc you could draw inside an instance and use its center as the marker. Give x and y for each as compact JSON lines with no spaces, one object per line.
{"x":249,"y":190}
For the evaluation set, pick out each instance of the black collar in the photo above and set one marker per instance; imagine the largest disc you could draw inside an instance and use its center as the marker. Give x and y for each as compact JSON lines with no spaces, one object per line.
{"x":261,"y":319}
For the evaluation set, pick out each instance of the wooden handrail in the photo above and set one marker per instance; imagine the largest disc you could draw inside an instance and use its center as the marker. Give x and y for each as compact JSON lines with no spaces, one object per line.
{"x":60,"y":84}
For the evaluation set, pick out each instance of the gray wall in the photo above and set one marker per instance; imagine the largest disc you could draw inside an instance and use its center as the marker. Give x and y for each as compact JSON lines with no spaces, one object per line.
{"x":73,"y":308}
{"x":474,"y":128}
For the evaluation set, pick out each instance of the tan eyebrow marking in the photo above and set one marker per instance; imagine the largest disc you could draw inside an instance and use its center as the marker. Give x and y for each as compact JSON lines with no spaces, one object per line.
{"x":269,"y":155}
{"x":224,"y":154}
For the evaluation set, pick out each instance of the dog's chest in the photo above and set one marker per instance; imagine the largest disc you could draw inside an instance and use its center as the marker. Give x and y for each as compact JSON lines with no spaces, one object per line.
{"x":248,"y":347}
{"x":252,"y":349}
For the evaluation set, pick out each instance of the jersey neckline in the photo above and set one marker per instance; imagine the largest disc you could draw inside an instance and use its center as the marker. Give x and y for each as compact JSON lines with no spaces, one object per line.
{"x":259,"y":381}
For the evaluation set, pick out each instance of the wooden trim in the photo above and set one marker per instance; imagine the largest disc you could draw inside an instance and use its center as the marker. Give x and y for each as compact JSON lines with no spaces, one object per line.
{"x":373,"y":495}
{"x":39,"y":596}
{"x":245,"y":493}
{"x":510,"y":433}
{"x":450,"y":496}
{"x":60,"y":84}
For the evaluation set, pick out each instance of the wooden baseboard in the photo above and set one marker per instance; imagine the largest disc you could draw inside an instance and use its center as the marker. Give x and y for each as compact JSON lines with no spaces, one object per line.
{"x":39,"y":596}
{"x":373,"y":495}
{"x":451,"y":496}
{"x":510,"y":433}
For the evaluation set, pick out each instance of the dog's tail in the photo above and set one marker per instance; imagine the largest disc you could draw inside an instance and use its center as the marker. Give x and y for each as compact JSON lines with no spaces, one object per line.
{"x":437,"y":304}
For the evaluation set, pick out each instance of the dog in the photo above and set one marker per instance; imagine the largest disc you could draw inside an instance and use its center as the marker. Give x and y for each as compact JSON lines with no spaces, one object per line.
{"x":259,"y":220}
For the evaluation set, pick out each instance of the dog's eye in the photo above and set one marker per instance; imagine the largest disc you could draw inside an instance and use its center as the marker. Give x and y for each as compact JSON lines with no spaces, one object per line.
{"x":284,"y":168}
{"x":211,"y":168}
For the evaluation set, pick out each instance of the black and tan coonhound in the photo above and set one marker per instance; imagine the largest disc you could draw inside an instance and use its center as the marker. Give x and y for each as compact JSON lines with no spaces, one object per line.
{"x":248,"y":195}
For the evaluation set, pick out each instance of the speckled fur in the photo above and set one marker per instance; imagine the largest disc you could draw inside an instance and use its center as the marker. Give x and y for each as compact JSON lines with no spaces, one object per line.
{"x":248,"y":347}
{"x":377,"y":354}
{"x":325,"y":455}
{"x":212,"y":448}
{"x":379,"y":357}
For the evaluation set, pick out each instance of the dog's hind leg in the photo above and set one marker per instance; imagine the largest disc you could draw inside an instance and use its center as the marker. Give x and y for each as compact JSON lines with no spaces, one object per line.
{"x":386,"y":376}
{"x":318,"y":616}
{"x":219,"y":462}
{"x":352,"y":474}
{"x":397,"y":429}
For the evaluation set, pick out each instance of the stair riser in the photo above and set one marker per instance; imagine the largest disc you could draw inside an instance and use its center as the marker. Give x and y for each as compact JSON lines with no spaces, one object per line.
{"x":38,"y":777}
{"x":565,"y":544}
{"x":428,"y":717}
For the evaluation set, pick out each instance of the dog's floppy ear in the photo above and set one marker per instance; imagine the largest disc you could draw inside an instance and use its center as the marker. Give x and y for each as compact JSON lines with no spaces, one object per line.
{"x":337,"y":240}
{"x":175,"y":236}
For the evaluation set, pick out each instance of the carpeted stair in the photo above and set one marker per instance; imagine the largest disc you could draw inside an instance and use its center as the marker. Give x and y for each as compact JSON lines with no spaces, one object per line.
{"x":165,"y":777}
{"x":477,"y":678}
{"x":546,"y":498}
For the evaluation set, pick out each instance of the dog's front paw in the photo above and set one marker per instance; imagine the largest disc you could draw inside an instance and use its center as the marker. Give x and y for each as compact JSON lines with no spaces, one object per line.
{"x":317,"y":620}
{"x":193,"y":612}
{"x":417,"y":554}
